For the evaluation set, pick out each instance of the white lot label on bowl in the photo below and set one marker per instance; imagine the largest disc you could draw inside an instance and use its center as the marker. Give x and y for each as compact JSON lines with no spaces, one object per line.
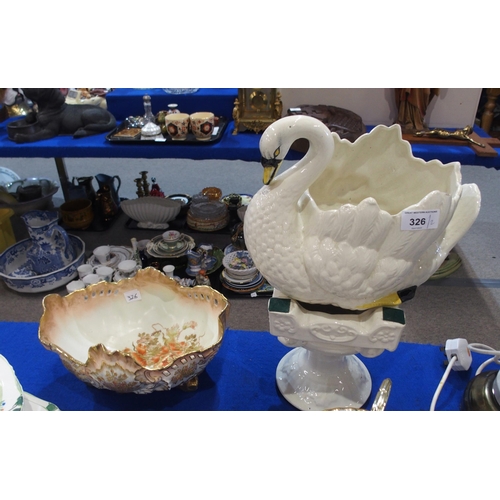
{"x":132,"y":295}
{"x":420,"y":219}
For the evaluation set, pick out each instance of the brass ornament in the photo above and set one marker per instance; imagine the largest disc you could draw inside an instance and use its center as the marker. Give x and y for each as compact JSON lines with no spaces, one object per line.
{"x":255,"y":109}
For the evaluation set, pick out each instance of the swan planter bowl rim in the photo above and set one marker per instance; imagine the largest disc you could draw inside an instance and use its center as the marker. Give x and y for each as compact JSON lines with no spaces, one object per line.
{"x":140,"y":334}
{"x":338,"y":227}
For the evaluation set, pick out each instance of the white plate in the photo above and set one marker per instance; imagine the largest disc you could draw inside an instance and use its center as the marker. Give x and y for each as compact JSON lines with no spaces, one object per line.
{"x":7,"y":176}
{"x":11,"y":392}
{"x":32,"y":403}
{"x":118,"y":254}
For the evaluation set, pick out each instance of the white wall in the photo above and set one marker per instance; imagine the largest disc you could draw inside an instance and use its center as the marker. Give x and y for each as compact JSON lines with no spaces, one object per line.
{"x":453,"y":108}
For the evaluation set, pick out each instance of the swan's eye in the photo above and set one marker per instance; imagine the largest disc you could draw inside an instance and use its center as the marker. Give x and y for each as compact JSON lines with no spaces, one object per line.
{"x":277,"y":152}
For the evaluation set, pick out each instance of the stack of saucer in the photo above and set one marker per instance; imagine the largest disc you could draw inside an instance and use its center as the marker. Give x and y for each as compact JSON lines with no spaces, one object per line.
{"x":159,"y":248}
{"x":208,"y":216}
{"x":240,"y":274}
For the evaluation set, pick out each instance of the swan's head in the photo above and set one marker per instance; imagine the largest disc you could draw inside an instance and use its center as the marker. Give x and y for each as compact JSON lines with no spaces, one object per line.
{"x":271,"y":167}
{"x":273,"y":152}
{"x":279,"y":137}
{"x":276,"y":142}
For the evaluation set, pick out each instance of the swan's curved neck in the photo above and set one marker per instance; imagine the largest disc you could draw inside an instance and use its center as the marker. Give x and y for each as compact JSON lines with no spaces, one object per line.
{"x":301,"y":175}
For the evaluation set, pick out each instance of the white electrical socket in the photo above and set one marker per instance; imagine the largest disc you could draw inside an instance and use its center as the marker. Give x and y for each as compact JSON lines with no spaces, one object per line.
{"x":460,"y":349}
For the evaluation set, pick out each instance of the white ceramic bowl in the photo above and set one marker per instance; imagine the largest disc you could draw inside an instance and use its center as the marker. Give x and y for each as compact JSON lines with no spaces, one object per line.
{"x":13,"y":259}
{"x":142,"y":334}
{"x":151,"y":211}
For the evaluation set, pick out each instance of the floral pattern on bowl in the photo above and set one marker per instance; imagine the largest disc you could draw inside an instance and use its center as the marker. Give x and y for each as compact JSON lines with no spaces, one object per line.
{"x":239,"y":263}
{"x":147,"y":333}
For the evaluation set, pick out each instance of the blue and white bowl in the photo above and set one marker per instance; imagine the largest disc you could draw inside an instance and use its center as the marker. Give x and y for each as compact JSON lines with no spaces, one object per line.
{"x":19,"y":277}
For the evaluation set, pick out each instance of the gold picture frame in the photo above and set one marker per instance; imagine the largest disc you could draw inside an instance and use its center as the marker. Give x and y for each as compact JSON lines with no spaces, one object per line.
{"x":256,"y":108}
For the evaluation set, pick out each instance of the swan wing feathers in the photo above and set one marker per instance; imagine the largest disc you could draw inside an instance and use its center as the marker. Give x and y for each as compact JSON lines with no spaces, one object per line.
{"x":342,"y":247}
{"x":411,"y":244}
{"x":362,"y":252}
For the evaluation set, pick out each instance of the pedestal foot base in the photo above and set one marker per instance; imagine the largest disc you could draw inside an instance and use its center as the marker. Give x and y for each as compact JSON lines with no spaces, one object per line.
{"x":311,"y":380}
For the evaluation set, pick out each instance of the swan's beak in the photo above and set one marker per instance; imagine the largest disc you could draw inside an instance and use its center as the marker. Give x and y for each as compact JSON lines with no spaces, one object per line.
{"x":271,"y":166}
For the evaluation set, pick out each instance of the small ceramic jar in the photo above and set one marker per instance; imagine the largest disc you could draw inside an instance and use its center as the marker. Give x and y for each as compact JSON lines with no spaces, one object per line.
{"x":194,"y":260}
{"x":103,"y":254}
{"x":177,"y":125}
{"x":91,"y":279}
{"x":202,"y":125}
{"x":72,"y":286}
{"x":172,"y":108}
{"x":105,"y":273}
{"x":169,"y":270}
{"x":84,"y":270}
{"x":127,"y":268}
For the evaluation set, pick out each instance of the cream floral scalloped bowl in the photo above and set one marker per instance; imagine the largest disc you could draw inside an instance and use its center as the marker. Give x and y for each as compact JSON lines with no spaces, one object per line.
{"x":141,"y":334}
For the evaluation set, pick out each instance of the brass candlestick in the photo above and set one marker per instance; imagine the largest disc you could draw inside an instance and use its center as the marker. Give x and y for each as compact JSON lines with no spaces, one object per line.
{"x":145,"y":183}
{"x":140,"y":190}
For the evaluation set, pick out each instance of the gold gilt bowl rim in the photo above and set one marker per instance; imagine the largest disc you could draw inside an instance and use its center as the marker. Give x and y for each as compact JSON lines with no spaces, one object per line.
{"x":143,"y":277}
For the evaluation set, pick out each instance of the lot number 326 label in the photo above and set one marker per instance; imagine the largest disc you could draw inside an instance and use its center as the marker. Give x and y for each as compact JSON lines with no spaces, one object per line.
{"x":418,"y":220}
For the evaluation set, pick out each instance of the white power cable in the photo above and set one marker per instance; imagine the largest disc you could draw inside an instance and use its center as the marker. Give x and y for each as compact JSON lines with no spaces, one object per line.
{"x":473,"y":347}
{"x":441,"y":382}
{"x":485,"y":349}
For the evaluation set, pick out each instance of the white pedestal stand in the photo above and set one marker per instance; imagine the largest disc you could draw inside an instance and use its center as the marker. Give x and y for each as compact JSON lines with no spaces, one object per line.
{"x":323,"y":371}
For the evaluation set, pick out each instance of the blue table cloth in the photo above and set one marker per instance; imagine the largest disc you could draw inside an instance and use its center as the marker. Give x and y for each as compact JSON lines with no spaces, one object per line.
{"x":124,"y":102}
{"x":241,"y":377}
{"x":128,"y":102}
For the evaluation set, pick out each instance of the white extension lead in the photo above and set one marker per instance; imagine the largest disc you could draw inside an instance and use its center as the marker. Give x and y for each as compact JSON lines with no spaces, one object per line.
{"x":458,"y":353}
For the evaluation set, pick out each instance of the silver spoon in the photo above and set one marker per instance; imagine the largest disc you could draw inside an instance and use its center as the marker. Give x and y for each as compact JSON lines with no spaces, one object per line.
{"x":380,"y":401}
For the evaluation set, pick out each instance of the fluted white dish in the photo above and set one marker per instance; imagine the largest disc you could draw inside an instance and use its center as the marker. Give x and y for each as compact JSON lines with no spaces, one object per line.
{"x":151,"y":211}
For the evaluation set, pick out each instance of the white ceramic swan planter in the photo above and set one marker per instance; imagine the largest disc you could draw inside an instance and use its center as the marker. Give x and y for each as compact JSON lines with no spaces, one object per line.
{"x":332,"y":229}
{"x":349,"y":225}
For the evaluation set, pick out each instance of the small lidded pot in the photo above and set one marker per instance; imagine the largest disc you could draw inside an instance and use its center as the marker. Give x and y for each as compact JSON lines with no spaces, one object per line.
{"x":172,"y":108}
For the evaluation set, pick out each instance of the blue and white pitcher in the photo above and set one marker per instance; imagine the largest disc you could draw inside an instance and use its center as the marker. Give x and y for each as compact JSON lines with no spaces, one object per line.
{"x":51,"y":247}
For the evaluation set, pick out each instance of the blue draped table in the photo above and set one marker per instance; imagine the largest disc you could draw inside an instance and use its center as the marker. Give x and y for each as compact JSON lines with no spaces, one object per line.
{"x":244,"y":146}
{"x":124,"y":102}
{"x":240,"y":377}
{"x":128,"y":102}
